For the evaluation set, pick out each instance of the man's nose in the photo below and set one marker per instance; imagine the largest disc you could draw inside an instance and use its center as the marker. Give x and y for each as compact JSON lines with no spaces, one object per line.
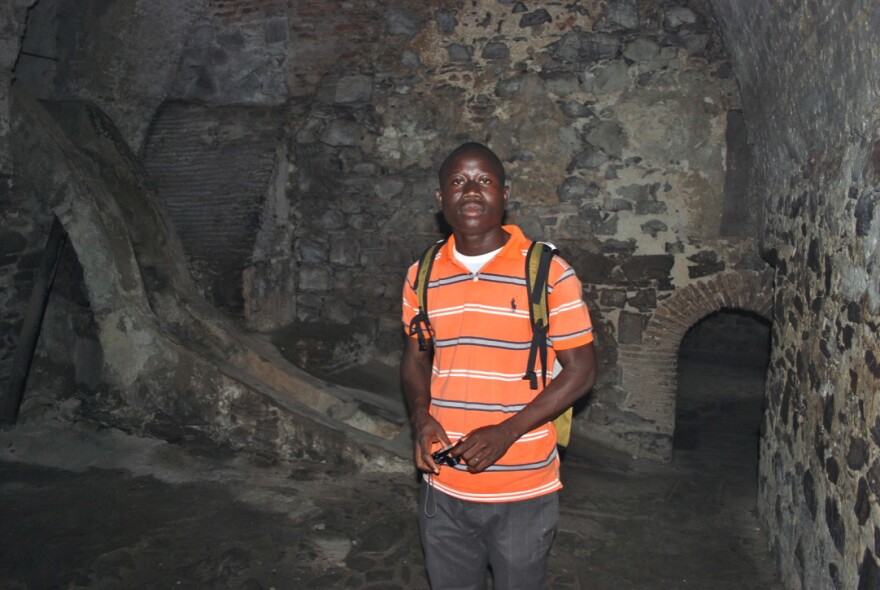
{"x":471,"y":187}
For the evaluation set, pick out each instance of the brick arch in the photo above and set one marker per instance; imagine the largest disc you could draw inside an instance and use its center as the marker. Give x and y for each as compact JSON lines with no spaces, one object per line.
{"x":649,"y":369}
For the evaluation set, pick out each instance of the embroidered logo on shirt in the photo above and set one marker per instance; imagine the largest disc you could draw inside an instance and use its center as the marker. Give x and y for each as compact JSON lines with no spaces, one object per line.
{"x":513,"y":304}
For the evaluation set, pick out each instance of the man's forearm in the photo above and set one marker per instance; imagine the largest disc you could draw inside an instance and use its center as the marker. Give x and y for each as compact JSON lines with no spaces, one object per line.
{"x":418,"y":402}
{"x":576,"y":378}
{"x":415,"y":378}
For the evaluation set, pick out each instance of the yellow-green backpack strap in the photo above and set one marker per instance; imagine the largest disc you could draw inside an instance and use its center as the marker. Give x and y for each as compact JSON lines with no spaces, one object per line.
{"x":420,"y":325}
{"x":538,"y":260}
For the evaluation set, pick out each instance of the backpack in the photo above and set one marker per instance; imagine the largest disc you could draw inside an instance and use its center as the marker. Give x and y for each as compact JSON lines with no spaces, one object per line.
{"x":538,"y":260}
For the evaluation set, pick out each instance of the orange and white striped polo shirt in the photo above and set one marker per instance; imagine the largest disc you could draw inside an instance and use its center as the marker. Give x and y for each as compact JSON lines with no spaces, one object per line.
{"x":482,"y":335}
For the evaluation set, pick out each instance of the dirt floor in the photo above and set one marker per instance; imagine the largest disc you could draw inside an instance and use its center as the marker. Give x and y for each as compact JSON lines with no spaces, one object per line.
{"x":83,"y":507}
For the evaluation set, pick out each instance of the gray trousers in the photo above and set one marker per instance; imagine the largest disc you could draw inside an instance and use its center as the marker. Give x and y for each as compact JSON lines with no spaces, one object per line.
{"x":462,"y":539}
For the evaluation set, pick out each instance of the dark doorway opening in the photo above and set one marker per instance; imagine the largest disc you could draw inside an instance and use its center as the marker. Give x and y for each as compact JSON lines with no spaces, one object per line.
{"x":722,"y":367}
{"x":67,"y":370}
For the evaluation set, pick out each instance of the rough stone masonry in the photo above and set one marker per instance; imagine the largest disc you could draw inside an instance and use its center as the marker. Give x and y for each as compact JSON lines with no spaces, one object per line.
{"x":809,"y":82}
{"x":619,"y":123}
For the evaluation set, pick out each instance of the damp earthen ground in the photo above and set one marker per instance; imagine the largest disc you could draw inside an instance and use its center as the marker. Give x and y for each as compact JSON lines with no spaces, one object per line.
{"x":88,"y":507}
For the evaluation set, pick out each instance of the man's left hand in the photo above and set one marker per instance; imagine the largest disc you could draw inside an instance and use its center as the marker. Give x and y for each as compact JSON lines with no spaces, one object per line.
{"x":481,"y":448}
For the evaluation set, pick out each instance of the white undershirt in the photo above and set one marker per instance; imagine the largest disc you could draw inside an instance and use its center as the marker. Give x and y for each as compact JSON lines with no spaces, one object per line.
{"x":475,"y":263}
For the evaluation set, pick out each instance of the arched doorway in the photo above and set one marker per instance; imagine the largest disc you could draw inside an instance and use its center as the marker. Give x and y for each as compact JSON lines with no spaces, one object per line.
{"x":722,"y":366}
{"x":649,"y":368}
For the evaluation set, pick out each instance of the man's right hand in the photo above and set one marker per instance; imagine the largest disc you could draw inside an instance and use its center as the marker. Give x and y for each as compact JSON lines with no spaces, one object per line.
{"x":415,"y":377}
{"x":427,"y":433}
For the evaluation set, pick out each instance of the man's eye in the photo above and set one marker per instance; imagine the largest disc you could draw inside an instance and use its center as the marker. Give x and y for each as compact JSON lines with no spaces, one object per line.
{"x":457,"y":181}
{"x":485,"y":181}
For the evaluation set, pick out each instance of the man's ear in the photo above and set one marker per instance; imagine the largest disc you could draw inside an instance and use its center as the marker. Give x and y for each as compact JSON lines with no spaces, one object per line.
{"x":438,"y":194}
{"x":506,"y":193}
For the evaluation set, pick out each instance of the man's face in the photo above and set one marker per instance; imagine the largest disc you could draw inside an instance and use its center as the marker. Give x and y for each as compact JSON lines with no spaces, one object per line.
{"x":472,"y":194}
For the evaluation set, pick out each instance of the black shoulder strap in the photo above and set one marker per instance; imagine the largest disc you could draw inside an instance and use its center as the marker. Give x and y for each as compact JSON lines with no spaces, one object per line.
{"x":421,"y":324}
{"x":538,"y":260}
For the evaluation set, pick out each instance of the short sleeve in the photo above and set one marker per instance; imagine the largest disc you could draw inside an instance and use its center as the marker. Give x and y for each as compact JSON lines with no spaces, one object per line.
{"x":570,"y":324}
{"x":410,"y":301}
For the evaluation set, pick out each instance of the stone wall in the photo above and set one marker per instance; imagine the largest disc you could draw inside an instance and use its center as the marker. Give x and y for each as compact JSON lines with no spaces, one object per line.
{"x":808,"y":73}
{"x":23,"y":227}
{"x":13,"y":18}
{"x":221,"y":172}
{"x":123,"y":55}
{"x":619,"y":123}
{"x":612,"y":120}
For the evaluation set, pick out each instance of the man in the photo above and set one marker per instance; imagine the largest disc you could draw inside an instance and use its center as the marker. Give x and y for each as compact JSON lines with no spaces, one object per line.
{"x":498,"y":508}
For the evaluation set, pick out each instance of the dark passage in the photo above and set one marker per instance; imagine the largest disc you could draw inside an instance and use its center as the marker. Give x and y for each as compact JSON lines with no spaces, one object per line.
{"x":721,"y":376}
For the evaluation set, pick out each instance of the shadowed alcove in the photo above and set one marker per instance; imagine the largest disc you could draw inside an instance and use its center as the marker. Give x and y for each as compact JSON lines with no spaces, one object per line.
{"x":722,"y":372}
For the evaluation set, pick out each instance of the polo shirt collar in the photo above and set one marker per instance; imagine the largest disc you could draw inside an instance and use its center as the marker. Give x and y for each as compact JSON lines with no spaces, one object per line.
{"x":512,"y":249}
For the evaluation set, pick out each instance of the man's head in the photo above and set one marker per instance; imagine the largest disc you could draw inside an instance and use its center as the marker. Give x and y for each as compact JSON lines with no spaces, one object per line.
{"x":472,"y":193}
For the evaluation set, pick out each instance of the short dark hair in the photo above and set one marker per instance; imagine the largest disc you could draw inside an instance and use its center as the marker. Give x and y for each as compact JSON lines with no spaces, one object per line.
{"x":472,"y":146}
